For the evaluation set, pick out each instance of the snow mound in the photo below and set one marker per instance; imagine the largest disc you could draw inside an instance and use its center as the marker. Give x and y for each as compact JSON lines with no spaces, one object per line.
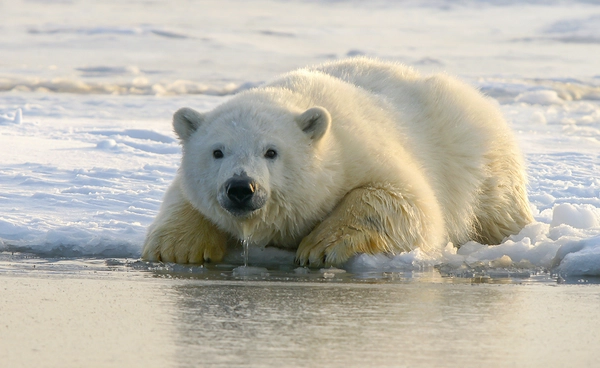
{"x":137,"y":86}
{"x":544,"y":97}
{"x":539,"y":247}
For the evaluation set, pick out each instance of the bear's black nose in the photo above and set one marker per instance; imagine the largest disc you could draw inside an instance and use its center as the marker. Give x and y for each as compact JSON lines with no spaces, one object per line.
{"x":240,"y":190}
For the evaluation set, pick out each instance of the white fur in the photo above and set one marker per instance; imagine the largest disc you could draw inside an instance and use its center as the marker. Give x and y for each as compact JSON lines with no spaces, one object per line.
{"x":434,"y":140}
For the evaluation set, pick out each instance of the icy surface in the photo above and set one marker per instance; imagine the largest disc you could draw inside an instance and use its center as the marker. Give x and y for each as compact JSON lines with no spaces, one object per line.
{"x":250,"y":271}
{"x":87,"y":92}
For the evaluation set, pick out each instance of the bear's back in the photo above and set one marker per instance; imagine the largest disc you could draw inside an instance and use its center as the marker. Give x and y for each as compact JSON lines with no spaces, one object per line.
{"x":454,"y":132}
{"x":372,"y":75}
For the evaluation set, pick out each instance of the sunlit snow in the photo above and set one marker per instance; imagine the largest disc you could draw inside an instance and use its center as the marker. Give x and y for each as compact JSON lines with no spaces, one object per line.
{"x":87,"y":93}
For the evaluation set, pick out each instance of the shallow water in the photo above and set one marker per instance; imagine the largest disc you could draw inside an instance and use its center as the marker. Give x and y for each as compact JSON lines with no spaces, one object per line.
{"x":103,"y":312}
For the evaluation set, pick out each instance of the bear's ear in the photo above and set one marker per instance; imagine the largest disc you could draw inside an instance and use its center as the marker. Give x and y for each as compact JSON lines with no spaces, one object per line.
{"x":186,"y":121}
{"x":314,"y":122}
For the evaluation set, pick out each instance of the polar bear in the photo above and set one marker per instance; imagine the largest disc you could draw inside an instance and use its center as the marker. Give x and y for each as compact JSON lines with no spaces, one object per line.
{"x":353,"y":156}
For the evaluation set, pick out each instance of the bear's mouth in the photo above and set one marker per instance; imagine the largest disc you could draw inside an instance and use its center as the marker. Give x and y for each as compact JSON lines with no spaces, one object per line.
{"x":241,"y":196}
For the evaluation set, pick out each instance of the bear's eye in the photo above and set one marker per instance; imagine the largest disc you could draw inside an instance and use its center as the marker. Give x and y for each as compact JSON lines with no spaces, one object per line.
{"x":271,"y":154}
{"x":218,"y":154}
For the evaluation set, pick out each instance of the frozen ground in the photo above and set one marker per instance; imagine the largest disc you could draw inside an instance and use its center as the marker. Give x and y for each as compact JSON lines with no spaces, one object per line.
{"x":87,"y":91}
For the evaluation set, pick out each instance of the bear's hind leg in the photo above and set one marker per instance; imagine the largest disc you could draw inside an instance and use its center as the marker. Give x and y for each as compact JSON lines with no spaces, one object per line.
{"x":372,"y":220}
{"x":186,"y":236}
{"x":504,"y":210}
{"x":503,"y":207}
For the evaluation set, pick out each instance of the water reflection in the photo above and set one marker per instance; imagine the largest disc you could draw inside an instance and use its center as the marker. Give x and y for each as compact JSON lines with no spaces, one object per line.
{"x":269,"y":324}
{"x":144,"y":314}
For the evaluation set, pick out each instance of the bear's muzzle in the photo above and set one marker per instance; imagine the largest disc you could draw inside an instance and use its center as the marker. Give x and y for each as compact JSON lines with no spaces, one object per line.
{"x":243,"y":196}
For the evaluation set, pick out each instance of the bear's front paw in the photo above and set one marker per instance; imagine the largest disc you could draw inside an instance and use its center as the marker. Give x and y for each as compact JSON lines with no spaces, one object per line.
{"x":169,"y":245}
{"x":371,"y":220}
{"x":333,"y":246}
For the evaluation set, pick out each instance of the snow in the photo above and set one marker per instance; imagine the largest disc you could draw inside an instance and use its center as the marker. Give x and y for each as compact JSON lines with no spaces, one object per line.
{"x":87,"y":92}
{"x":544,"y":97}
{"x":577,"y":216}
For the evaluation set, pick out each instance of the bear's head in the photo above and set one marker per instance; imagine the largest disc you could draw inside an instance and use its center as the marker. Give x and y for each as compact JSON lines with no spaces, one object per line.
{"x":255,"y":165}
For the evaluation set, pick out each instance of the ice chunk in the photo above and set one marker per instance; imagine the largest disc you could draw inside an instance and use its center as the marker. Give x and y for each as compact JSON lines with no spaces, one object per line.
{"x":579,"y":258}
{"x":502,"y":262}
{"x":106,"y":144}
{"x":250,"y":271}
{"x":6,"y":119}
{"x":301,"y":271}
{"x":18,"y":117}
{"x":578,"y":216}
{"x":367,"y":263}
{"x":332,"y":270}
